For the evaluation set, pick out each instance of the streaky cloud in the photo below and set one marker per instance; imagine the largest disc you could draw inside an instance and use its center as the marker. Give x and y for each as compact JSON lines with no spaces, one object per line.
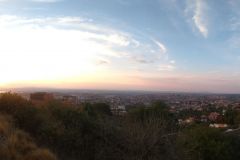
{"x":161,"y":46}
{"x":38,"y":1}
{"x":56,"y":48}
{"x":46,"y":1}
{"x":198,"y":11}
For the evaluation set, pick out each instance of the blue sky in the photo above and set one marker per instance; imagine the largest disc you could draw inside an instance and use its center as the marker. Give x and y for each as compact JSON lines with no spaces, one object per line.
{"x":166,"y":45}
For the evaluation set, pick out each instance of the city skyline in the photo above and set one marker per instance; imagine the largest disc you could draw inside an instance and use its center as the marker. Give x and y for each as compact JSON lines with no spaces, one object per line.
{"x":155,"y":45}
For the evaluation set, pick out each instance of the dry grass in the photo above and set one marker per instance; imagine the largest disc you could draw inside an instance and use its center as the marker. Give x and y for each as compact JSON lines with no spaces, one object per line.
{"x":18,"y":145}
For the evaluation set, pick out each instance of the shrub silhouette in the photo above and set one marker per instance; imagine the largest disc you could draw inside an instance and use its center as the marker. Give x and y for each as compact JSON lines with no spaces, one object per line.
{"x":9,"y":103}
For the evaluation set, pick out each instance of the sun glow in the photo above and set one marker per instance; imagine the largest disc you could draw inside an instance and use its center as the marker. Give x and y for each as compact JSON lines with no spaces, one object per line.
{"x":73,"y":51}
{"x":34,"y":53}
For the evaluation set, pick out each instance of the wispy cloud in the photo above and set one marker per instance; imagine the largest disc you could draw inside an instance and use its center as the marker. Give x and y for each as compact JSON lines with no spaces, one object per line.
{"x":197,"y":9}
{"x":234,"y":41}
{"x":40,"y":1}
{"x":161,"y":46}
{"x":84,"y":26}
{"x":142,"y":60}
{"x":151,"y":54}
{"x":58,"y":47}
{"x":102,"y":61}
{"x":55,"y":47}
{"x":166,"y":67}
{"x":46,"y":1}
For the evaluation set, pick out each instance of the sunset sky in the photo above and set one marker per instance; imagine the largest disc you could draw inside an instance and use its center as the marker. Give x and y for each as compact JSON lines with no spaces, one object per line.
{"x":156,"y":45}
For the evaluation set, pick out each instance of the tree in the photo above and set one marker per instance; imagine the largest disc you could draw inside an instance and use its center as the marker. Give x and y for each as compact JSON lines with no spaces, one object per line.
{"x":204,"y":143}
{"x":10,"y":102}
{"x":232,"y":117}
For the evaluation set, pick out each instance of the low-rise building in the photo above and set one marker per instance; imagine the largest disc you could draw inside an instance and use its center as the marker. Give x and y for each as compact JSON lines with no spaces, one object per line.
{"x":41,"y":97}
{"x":70,"y":99}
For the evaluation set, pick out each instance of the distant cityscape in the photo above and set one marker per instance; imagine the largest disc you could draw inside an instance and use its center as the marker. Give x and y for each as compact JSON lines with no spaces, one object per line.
{"x":121,"y":101}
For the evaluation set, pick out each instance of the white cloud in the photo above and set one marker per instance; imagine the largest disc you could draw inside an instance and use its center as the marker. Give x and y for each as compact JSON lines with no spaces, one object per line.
{"x":53,"y":48}
{"x":151,"y":54}
{"x":46,"y":1}
{"x":166,"y":67}
{"x":161,"y":46}
{"x":198,"y":9}
{"x":88,"y":30}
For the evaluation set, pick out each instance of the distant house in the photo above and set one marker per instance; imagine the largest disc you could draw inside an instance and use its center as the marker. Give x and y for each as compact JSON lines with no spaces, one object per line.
{"x":70,"y":99}
{"x":118,"y":110}
{"x":215,"y":117}
{"x":41,"y":97}
{"x":190,"y":120}
{"x":216,"y":125}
